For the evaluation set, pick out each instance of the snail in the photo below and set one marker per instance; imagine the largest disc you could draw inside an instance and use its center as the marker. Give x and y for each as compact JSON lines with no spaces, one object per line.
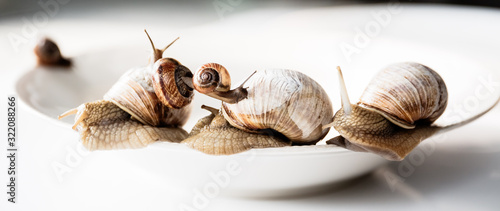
{"x":276,"y":101}
{"x":48,"y":54}
{"x":147,"y":104}
{"x":395,"y":112}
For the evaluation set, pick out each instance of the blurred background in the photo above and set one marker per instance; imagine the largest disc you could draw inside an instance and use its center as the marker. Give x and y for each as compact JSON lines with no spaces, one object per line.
{"x":12,"y":8}
{"x":38,"y":18}
{"x":204,"y":9}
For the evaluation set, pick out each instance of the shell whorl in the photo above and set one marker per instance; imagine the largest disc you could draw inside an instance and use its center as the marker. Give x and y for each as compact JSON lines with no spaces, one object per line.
{"x":405,"y":93}
{"x":168,"y":85}
{"x":286,"y":101}
{"x":211,"y":77}
{"x":134,"y":93}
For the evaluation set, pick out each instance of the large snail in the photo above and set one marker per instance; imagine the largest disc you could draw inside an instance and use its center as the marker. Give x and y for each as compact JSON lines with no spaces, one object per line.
{"x":282,"y":103}
{"x":145,"y":105}
{"x":395,"y":112}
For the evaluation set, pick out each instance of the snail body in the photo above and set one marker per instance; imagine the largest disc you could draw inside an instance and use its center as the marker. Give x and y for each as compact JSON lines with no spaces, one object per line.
{"x":395,"y":112}
{"x":285,"y":101}
{"x":214,"y":135}
{"x":150,"y":97}
{"x":102,"y":125}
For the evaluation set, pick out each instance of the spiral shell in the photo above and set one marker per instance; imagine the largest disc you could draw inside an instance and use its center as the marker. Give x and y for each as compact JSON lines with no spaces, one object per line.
{"x":212,"y":77}
{"x":140,"y":93}
{"x":286,"y":101}
{"x":406,"y":93}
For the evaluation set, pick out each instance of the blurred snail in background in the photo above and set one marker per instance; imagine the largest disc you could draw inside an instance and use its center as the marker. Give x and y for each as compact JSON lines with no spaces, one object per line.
{"x":395,"y":112}
{"x":284,"y":104}
{"x":145,"y":105}
{"x":48,"y":53}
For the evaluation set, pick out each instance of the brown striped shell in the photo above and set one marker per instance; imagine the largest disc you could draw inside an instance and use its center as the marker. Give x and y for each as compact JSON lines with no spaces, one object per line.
{"x":212,"y":76}
{"x":406,"y":93}
{"x":286,"y":101}
{"x":156,"y":102}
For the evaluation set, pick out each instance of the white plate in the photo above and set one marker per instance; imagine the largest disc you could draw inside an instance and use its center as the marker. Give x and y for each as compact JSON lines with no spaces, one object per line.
{"x":49,"y":92}
{"x":262,"y":172}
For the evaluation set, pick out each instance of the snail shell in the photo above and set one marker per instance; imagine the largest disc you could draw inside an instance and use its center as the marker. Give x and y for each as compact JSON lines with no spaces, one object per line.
{"x":405,"y":93}
{"x":212,"y":77}
{"x":155,"y":95}
{"x":286,"y":101}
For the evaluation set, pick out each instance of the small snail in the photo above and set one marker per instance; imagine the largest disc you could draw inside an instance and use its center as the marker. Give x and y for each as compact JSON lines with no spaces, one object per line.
{"x":48,"y":53}
{"x":395,"y":112}
{"x":147,"y":104}
{"x":276,"y":100}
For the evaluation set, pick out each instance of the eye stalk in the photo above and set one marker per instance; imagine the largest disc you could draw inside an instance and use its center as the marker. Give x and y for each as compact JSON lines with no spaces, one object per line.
{"x":213,"y":80}
{"x":158,"y":53}
{"x":346,"y":103}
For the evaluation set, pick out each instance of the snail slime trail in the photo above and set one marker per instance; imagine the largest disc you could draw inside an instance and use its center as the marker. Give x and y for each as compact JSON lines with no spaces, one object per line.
{"x":12,"y":154}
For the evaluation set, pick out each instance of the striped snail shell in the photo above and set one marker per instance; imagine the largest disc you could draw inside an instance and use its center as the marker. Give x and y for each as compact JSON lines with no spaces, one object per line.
{"x":156,"y":94}
{"x":285,"y":101}
{"x":405,"y":93}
